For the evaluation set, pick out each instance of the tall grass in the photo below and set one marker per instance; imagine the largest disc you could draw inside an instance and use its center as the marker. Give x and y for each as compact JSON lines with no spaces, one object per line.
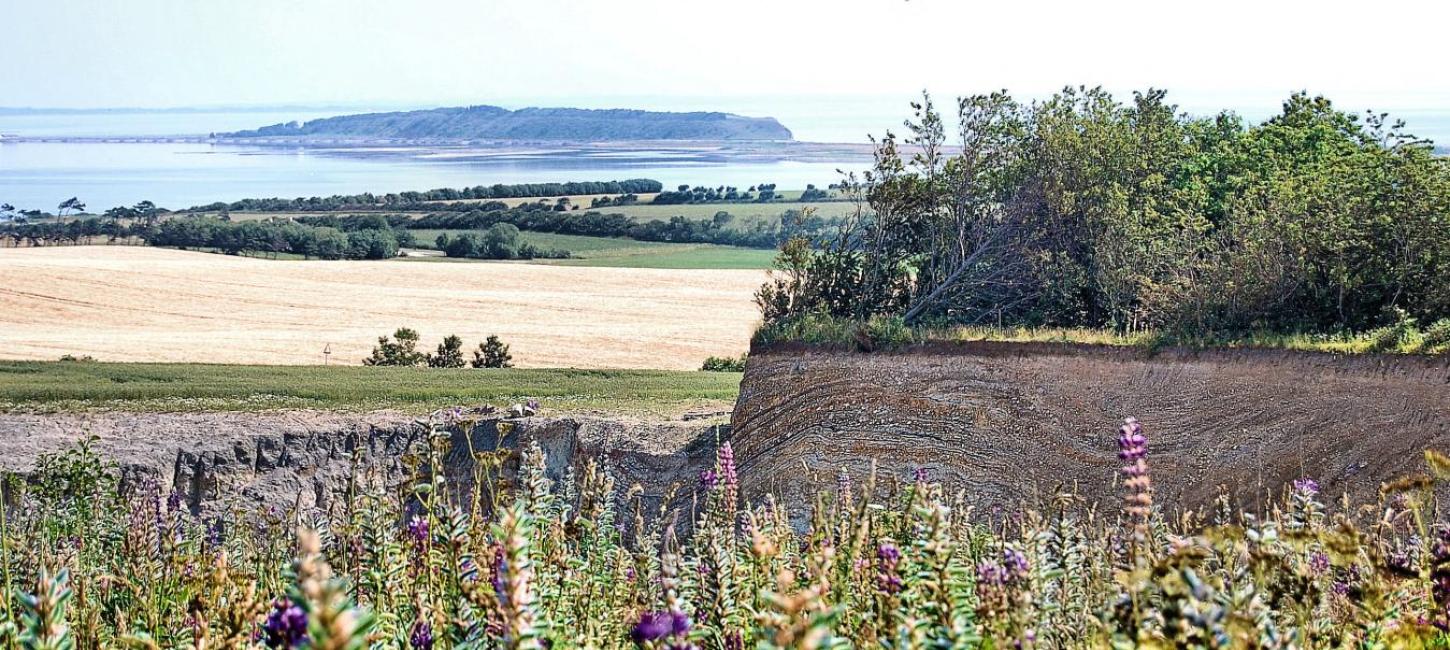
{"x":71,"y":385}
{"x":583,"y":562}
{"x":1404,"y":337}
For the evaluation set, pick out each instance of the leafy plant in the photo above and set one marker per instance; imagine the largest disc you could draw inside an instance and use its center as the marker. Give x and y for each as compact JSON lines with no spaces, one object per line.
{"x":492,"y":353}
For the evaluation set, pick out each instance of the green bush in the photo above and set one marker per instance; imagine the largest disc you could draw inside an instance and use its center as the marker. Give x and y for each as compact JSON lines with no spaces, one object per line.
{"x":492,"y":353}
{"x":449,"y":355}
{"x":725,"y":364}
{"x":402,"y":350}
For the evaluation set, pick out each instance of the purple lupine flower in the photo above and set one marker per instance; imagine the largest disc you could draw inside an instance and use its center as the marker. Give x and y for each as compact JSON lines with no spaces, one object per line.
{"x":1133,"y":449}
{"x":418,"y":530}
{"x":422,"y":636}
{"x":921,"y":474}
{"x":173,"y":501}
{"x":1306,"y":486}
{"x":709,"y":479}
{"x":215,"y":535}
{"x":730,"y":482}
{"x":286,"y":626}
{"x":652,"y":626}
{"x":888,"y":579}
{"x":679,"y":623}
{"x":1015,"y":564}
{"x":1440,"y":578}
{"x":500,"y":568}
{"x":990,"y":574}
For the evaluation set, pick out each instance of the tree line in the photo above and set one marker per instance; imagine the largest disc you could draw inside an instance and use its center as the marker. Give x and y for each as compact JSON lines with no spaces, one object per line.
{"x":400,"y":200}
{"x":1083,"y":210}
{"x":258,"y":237}
{"x":722,"y":228}
{"x":502,"y":241}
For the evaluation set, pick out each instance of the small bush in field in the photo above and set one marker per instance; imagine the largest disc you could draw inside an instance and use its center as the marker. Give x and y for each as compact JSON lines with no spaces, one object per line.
{"x":449,"y":355}
{"x":402,"y":350}
{"x":492,"y":353}
{"x":725,"y":364}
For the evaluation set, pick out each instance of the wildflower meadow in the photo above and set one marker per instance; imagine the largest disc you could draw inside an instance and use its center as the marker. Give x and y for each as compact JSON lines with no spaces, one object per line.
{"x":526,"y":562}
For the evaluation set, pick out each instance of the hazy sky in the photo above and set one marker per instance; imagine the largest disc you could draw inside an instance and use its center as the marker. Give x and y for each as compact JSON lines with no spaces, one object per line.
{"x":1209,"y":53}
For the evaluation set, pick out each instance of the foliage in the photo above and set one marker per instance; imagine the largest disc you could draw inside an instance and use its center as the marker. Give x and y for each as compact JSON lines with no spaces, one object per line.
{"x":884,"y":331}
{"x":51,"y":386}
{"x":500,"y":241}
{"x":534,"y":559}
{"x":718,"y":228}
{"x":1084,"y":211}
{"x":492,"y":353}
{"x":449,"y":355}
{"x":402,"y":200}
{"x":401,"y":350}
{"x":726,"y":364}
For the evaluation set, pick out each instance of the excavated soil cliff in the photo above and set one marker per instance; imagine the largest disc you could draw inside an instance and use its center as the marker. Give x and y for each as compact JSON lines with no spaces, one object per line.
{"x":217,"y":459}
{"x":1011,"y":421}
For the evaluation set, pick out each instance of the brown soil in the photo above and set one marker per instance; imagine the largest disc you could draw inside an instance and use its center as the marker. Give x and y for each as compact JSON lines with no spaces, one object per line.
{"x":1010,"y":421}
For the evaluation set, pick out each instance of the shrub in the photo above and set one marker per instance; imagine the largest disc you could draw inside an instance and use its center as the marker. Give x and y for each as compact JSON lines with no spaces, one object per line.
{"x":492,"y":353}
{"x":1436,"y":337}
{"x":725,"y":364}
{"x":401,"y":351}
{"x":449,"y":355}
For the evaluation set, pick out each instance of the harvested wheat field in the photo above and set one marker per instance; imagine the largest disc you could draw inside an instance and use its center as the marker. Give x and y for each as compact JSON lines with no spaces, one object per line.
{"x":144,"y":304}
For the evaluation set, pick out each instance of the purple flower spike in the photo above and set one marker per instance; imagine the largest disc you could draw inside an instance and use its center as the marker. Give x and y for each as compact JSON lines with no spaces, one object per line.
{"x":1015,"y":564}
{"x":679,"y":623}
{"x":888,"y":580}
{"x":286,"y":626}
{"x":422,"y":636}
{"x":709,"y":479}
{"x":652,"y":626}
{"x":418,"y":530}
{"x":1306,"y":486}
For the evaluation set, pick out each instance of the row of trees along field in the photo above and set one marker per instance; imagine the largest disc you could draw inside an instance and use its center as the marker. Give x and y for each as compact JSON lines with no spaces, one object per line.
{"x":722,"y":228}
{"x":258,"y":237}
{"x":1082,"y":210}
{"x":400,"y":200}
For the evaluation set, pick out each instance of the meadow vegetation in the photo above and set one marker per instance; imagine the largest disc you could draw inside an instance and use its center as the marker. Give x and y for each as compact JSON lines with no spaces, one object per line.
{"x":534,"y":561}
{"x":1400,"y":337}
{"x":60,"y":386}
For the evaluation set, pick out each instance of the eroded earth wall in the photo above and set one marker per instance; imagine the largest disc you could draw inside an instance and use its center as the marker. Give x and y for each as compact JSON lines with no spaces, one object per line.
{"x":1010,"y":421}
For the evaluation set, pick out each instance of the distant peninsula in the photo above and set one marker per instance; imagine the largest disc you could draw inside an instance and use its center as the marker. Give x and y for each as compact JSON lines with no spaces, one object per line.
{"x":561,"y":124}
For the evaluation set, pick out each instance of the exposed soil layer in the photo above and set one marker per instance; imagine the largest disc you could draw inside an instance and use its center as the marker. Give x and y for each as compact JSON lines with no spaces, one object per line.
{"x":1009,"y":421}
{"x":219,"y":459}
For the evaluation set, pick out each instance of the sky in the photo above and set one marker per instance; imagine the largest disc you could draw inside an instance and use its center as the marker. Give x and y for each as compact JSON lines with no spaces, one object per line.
{"x":694,"y":54}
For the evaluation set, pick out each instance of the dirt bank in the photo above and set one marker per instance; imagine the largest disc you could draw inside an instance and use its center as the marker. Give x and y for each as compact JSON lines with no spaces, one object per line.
{"x":215,"y":459}
{"x":1007,"y":421}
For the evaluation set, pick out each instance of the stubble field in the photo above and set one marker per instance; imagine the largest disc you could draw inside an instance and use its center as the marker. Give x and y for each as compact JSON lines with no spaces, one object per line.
{"x":145,"y":304}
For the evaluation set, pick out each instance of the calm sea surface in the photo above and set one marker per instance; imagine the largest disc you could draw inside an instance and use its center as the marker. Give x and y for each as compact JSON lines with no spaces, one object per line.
{"x":42,"y":174}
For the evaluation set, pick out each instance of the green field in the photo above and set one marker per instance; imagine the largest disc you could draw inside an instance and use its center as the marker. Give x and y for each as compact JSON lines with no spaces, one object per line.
{"x":56,"y":386}
{"x":629,"y":253}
